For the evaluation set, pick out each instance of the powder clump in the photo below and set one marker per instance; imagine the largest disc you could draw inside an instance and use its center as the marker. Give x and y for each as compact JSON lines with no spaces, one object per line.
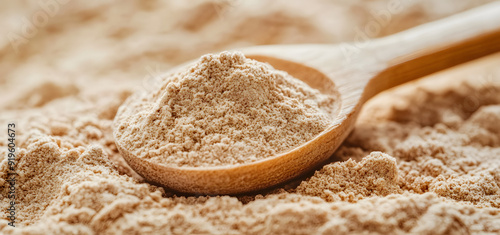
{"x":376,"y":174}
{"x":225,"y":109}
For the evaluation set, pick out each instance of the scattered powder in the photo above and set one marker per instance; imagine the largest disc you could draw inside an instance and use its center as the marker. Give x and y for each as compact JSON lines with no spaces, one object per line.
{"x":376,"y":174}
{"x":225,"y":109}
{"x":435,"y":144}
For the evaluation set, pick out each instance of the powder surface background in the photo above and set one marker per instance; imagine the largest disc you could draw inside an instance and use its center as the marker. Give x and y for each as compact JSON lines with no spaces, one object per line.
{"x":425,"y":156}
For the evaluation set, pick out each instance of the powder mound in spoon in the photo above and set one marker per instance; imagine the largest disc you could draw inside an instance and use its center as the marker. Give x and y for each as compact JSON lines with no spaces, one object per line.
{"x":224,"y":110}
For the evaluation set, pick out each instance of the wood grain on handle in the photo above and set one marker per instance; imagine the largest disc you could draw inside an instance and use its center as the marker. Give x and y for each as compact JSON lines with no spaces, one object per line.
{"x":436,"y":46}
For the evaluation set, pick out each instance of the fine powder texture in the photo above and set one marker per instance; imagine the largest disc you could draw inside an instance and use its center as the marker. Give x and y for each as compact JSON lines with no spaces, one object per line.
{"x":376,"y":174}
{"x":225,"y":109}
{"x":423,"y":158}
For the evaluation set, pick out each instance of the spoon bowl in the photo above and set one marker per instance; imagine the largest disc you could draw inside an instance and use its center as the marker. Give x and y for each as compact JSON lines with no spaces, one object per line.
{"x":353,"y":73}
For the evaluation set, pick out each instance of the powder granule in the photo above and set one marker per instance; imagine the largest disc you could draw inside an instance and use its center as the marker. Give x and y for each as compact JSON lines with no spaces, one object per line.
{"x":376,"y":174}
{"x":225,"y":109}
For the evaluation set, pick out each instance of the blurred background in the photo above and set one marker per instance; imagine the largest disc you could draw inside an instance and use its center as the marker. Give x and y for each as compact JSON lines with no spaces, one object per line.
{"x":51,"y":49}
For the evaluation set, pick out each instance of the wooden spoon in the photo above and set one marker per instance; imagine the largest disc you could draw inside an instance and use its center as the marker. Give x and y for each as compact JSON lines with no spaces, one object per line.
{"x":355,"y":72}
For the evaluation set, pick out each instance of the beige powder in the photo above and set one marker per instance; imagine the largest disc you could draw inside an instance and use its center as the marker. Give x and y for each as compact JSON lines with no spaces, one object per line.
{"x":422,"y":159}
{"x":225,"y":109}
{"x":376,"y":174}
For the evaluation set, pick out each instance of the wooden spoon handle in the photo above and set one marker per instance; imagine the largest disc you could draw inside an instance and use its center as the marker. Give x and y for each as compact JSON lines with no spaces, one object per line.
{"x":436,"y":46}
